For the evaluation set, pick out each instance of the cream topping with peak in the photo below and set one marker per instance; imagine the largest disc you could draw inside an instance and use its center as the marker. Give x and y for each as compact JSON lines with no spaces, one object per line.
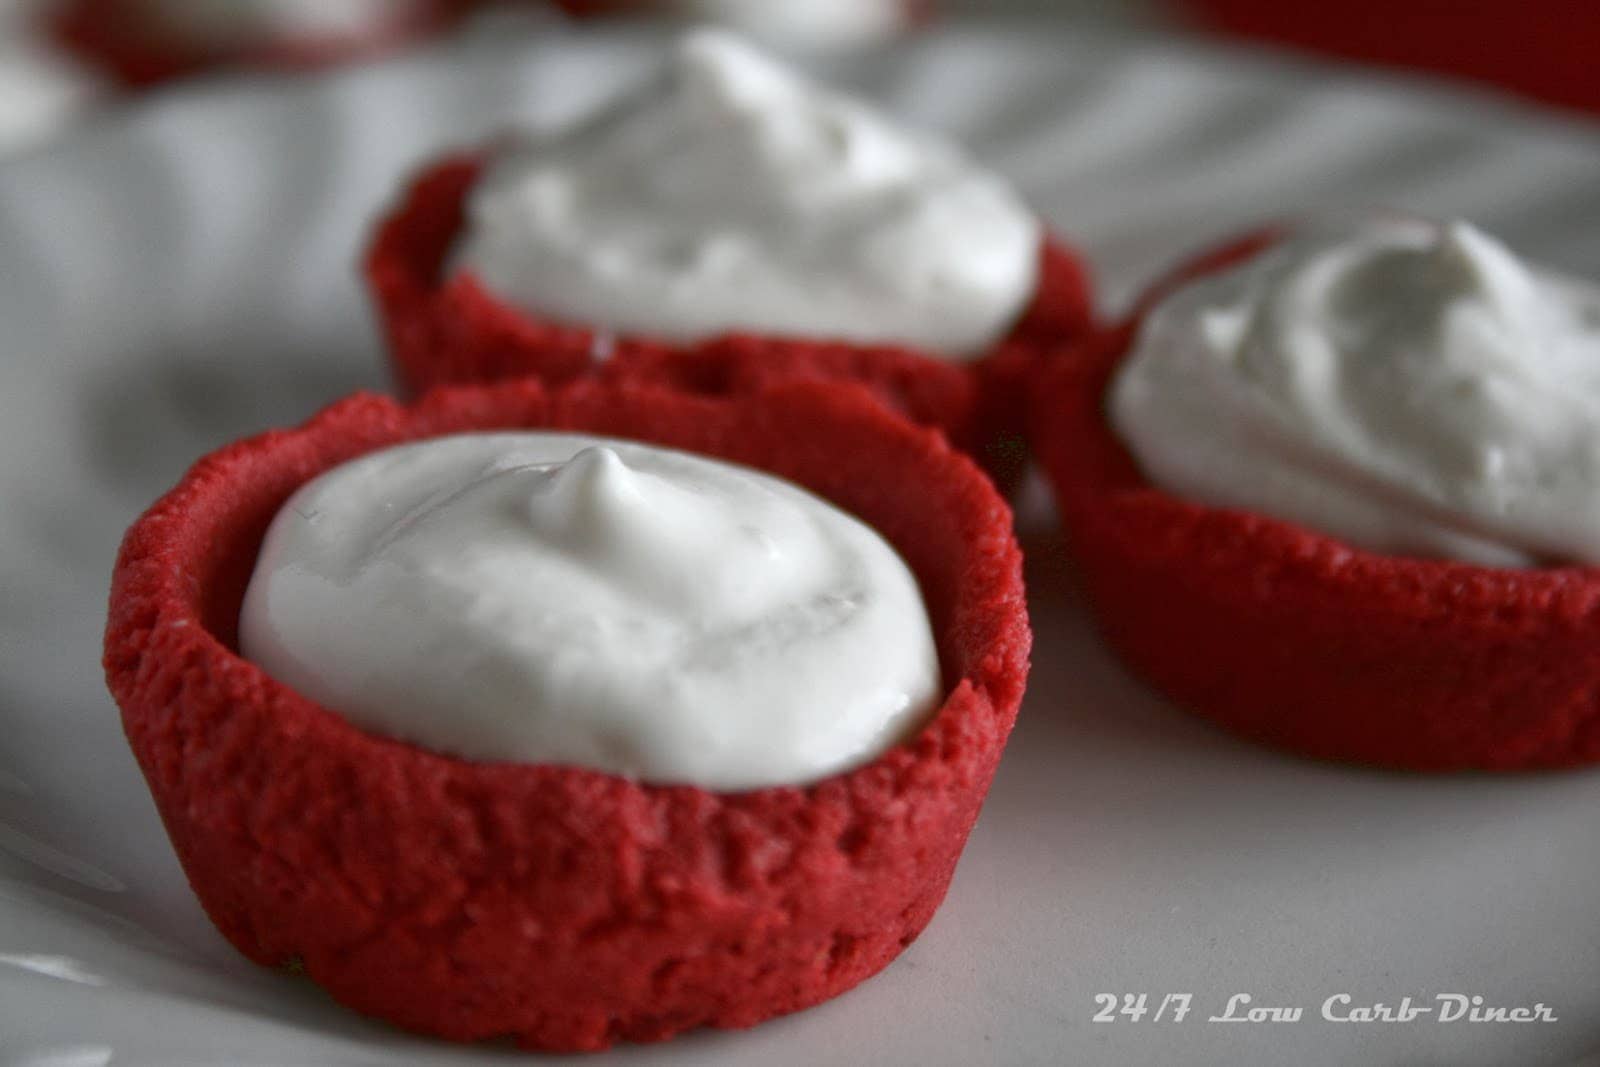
{"x":1409,"y":387}
{"x":557,"y":598}
{"x":734,"y":196}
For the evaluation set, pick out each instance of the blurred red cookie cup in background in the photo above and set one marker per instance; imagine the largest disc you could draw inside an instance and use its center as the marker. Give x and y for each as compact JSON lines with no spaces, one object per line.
{"x":1292,"y":637}
{"x":450,"y":329}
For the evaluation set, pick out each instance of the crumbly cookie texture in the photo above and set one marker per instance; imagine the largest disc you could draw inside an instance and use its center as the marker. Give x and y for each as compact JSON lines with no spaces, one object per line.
{"x":567,"y":908}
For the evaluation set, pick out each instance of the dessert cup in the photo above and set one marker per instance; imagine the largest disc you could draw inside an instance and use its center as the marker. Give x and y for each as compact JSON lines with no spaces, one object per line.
{"x":443,"y":329}
{"x":1293,"y":638}
{"x":564,"y":907}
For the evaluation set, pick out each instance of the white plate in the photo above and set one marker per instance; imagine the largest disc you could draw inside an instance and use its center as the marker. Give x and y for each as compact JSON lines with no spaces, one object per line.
{"x":182,"y":275}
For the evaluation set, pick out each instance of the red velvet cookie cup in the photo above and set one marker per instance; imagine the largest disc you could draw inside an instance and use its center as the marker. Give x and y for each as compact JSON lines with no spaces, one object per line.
{"x":452,"y":330}
{"x":1295,"y":639}
{"x":567,"y":908}
{"x":113,"y":36}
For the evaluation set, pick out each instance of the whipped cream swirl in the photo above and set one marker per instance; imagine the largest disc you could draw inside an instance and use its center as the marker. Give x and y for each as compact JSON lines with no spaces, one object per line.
{"x":556,"y":598}
{"x":1409,"y":387}
{"x":733,"y":196}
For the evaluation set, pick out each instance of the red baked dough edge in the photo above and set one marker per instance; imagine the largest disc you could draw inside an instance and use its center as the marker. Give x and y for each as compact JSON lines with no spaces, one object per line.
{"x":453,"y":331}
{"x":568,"y":908}
{"x":1295,"y":639}
{"x":107,"y":35}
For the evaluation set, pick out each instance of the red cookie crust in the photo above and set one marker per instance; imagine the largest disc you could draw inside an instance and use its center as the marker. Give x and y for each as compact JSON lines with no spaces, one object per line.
{"x":453,"y":331}
{"x":1293,"y":638}
{"x":113,"y":36}
{"x":565,"y":907}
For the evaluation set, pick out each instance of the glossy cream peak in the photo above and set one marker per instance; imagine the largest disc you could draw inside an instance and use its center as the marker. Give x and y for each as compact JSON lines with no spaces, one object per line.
{"x":734,"y":196}
{"x":1409,"y":387}
{"x":554,"y":598}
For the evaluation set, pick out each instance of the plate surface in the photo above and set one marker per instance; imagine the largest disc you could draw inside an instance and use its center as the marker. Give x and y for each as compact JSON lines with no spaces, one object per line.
{"x":182,"y":275}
